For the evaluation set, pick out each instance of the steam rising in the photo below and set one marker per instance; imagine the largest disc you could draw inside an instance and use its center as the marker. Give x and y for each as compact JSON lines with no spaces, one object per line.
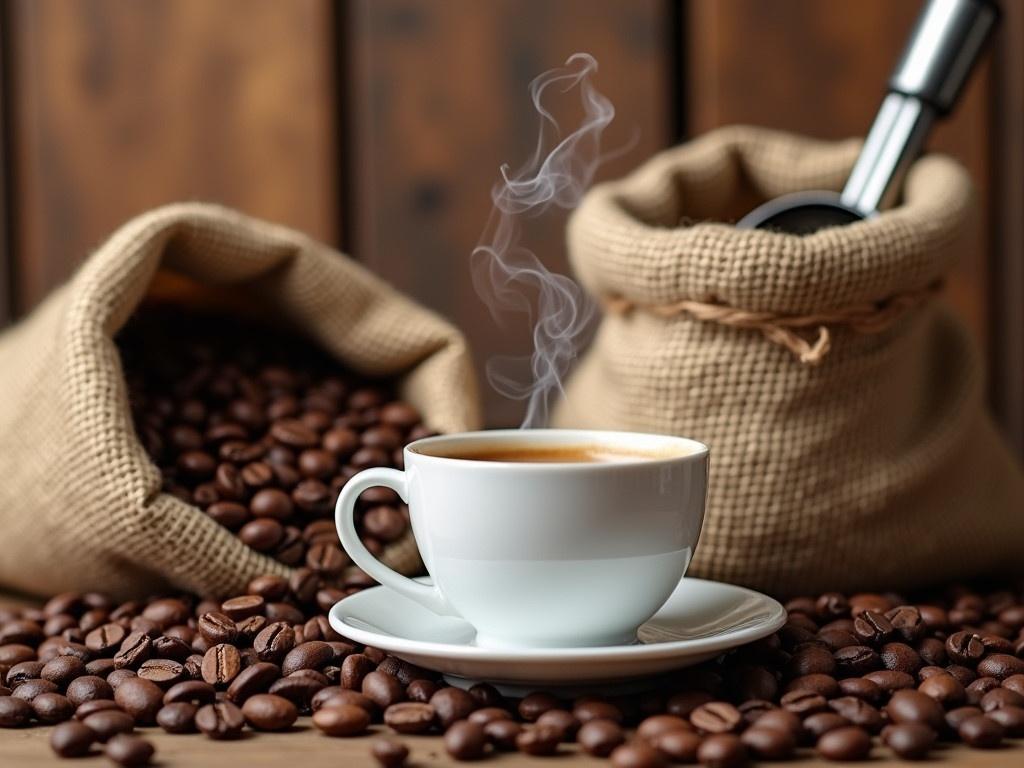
{"x":506,"y":273}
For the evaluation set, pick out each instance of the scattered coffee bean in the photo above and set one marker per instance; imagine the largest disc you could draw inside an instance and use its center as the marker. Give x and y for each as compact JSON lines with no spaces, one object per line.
{"x":129,"y":751}
{"x":453,"y":704}
{"x":140,"y":698}
{"x":341,"y":720}
{"x":678,"y":746}
{"x":723,"y":750}
{"x":177,"y":717}
{"x":72,"y":739}
{"x":266,"y":712}
{"x":718,"y":717}
{"x":108,"y":723}
{"x":502,"y":734}
{"x":221,"y":720}
{"x":769,"y":743}
{"x":536,"y":704}
{"x":980,"y":732}
{"x":539,"y":740}
{"x":910,"y":741}
{"x":464,"y":740}
{"x":52,"y":708}
{"x":637,"y":754}
{"x":411,"y":717}
{"x":849,"y":743}
{"x":600,"y":737}
{"x":15,"y":712}
{"x":388,"y":753}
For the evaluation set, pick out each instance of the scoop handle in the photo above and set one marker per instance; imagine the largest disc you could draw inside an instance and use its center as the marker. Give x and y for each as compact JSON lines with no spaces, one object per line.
{"x":946,"y":41}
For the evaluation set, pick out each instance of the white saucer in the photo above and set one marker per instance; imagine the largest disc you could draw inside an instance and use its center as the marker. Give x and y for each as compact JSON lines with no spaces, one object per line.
{"x":698,"y":621}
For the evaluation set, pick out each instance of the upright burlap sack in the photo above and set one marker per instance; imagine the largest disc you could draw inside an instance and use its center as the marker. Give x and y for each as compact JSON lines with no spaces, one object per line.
{"x":80,"y":501}
{"x":841,"y":399}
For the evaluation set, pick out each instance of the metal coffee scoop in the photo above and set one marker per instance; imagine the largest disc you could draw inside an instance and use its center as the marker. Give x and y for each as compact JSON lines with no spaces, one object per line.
{"x":946,"y":41}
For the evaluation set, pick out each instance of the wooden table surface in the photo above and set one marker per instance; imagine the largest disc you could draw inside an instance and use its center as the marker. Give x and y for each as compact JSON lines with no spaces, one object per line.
{"x":305,"y":747}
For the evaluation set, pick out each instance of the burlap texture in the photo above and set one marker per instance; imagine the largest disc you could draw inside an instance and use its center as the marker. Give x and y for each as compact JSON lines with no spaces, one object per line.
{"x":877,"y":468}
{"x":80,"y":502}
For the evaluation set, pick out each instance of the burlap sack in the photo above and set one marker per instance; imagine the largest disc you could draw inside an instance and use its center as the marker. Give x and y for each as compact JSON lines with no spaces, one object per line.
{"x":841,"y":400}
{"x":80,"y":502}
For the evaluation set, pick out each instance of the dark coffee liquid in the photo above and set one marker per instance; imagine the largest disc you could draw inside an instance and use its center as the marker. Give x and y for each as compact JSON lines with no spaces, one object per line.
{"x":556,"y":454}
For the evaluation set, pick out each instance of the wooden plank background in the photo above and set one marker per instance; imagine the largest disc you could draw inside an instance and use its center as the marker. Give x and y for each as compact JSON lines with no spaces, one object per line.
{"x":380,"y":125}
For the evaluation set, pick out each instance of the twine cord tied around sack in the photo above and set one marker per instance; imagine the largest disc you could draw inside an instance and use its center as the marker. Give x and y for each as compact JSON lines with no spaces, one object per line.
{"x":784,"y":330}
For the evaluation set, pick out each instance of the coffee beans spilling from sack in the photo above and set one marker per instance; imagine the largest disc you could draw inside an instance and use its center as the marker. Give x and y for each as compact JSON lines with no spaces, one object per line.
{"x":848,"y":677}
{"x":261,"y":429}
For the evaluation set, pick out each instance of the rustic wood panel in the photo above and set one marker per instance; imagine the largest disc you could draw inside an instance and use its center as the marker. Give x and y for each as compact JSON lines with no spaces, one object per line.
{"x":438,"y":100}
{"x":820,"y":69}
{"x":118,"y":107}
{"x":1007,"y":218}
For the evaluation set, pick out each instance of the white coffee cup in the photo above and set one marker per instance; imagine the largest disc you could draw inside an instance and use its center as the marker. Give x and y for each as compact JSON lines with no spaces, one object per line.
{"x":546,"y":554}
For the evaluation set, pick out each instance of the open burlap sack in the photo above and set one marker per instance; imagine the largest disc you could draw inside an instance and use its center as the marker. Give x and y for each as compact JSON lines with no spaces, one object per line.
{"x":80,"y":501}
{"x":841,"y":400}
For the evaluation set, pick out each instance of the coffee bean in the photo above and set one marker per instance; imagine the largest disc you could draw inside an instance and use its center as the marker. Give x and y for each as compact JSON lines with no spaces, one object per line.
{"x":502,"y":734}
{"x":593,"y":709}
{"x":981,"y":732}
{"x":139,"y":698}
{"x":860,"y":713}
{"x":337,"y":695}
{"x":915,"y":707}
{"x":99,"y":705}
{"x":781,"y":719}
{"x":452,"y":704}
{"x":717,"y":717}
{"x":104,"y":639}
{"x":108,"y":723}
{"x":872,"y":627}
{"x":266,"y":712}
{"x":802,"y":703}
{"x":229,"y":514}
{"x":28,"y":690}
{"x":410,"y":717}
{"x":600,"y":737}
{"x":254,"y":679}
{"x":945,"y":689}
{"x":15,"y":712}
{"x":52,"y":708}
{"x":849,"y":743}
{"x":561,"y":720}
{"x":769,"y":743}
{"x":1000,"y":697}
{"x":192,"y":691}
{"x":221,"y":664}
{"x":261,"y":534}
{"x":129,"y":751}
{"x":177,"y":717}
{"x":62,"y":670}
{"x":908,"y":623}
{"x":299,"y":689}
{"x":652,"y":727}
{"x":856,"y":660}
{"x":722,"y":751}
{"x":965,"y":648}
{"x":539,"y":740}
{"x":823,"y":685}
{"x":71,"y":739}
{"x":900,"y":657}
{"x":354,"y":668}
{"x":310,"y":655}
{"x":823,"y":722}
{"x":464,"y":740}
{"x":890,"y":680}
{"x":388,"y":753}
{"x":163,"y":672}
{"x":241,"y":608}
{"x":811,"y":660}
{"x":910,"y":741}
{"x":217,"y":628}
{"x":956,"y":716}
{"x":221,"y":720}
{"x":384,"y":690}
{"x":1000,"y":666}
{"x":326,"y":559}
{"x":487,"y":714}
{"x":134,"y":650}
{"x":1011,"y":717}
{"x":341,"y":720}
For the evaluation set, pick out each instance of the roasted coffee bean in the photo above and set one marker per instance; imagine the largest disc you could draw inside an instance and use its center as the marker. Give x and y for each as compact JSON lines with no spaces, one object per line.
{"x":163,"y":672}
{"x":452,"y":704}
{"x":855,"y":660}
{"x":811,"y":660}
{"x":410,"y":717}
{"x":217,"y":628}
{"x":465,"y":740}
{"x":354,"y":668}
{"x":266,"y":712}
{"x":99,"y":667}
{"x":52,"y":708}
{"x":910,"y":741}
{"x":980,"y":732}
{"x":872,"y":627}
{"x":134,"y":650}
{"x":72,"y":739}
{"x":104,"y":639}
{"x":932,"y":651}
{"x":172,"y":648}
{"x":823,"y":685}
{"x":908,"y":623}
{"x":781,"y":719}
{"x":326,"y":559}
{"x":242,"y":607}
{"x":859,"y":712}
{"x":539,"y":740}
{"x":890,"y":680}
{"x":502,"y":734}
{"x":274,"y":641}
{"x":129,"y":751}
{"x":191,"y":691}
{"x":96,"y":705}
{"x":956,"y":716}
{"x":718,"y":717}
{"x":108,"y":723}
{"x":823,"y":722}
{"x":945,"y":689}
{"x":769,"y":743}
{"x":221,"y":664}
{"x":254,"y":679}
{"x":802,"y":703}
{"x":15,"y":712}
{"x":915,"y":707}
{"x":900,"y":657}
{"x":261,"y":534}
{"x":384,"y":690}
{"x":388,"y":753}
{"x":177,"y":717}
{"x":677,"y":746}
{"x":1011,"y":717}
{"x":1000,"y":697}
{"x":965,"y":648}
{"x":1000,"y":666}
{"x":28,"y":690}
{"x":229,"y":514}
{"x":595,"y":709}
{"x":341,"y":720}
{"x":562,"y":720}
{"x":140,"y":698}
{"x":311,"y":655}
{"x":489,"y":715}
{"x":337,"y":695}
{"x":62,"y":670}
{"x":221,"y":720}
{"x":849,"y":743}
{"x":722,"y":750}
{"x":654,"y":726}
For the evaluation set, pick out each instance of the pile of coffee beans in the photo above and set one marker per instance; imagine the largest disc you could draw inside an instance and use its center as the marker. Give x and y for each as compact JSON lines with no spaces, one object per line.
{"x":849,"y":677}
{"x":261,"y":429}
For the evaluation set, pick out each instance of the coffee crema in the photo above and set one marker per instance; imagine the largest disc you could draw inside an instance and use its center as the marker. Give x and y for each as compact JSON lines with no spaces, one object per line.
{"x":593,"y":453}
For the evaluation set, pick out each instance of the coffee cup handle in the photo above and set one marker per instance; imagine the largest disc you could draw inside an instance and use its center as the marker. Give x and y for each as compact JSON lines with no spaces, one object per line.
{"x":344,"y":516}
